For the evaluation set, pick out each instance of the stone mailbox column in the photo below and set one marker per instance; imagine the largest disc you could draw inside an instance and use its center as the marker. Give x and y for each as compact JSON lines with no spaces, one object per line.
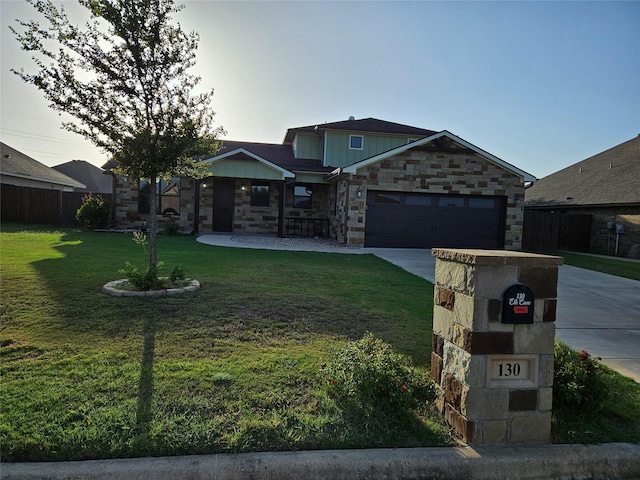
{"x":495,"y":378}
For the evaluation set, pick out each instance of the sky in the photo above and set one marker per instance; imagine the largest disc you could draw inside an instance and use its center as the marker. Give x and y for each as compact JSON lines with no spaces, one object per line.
{"x":541,"y":85}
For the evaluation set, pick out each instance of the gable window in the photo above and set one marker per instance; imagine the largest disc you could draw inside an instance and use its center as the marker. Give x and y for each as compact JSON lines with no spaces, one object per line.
{"x":259,"y":194}
{"x":167,"y":196}
{"x":302,"y":196}
{"x":356,"y":142}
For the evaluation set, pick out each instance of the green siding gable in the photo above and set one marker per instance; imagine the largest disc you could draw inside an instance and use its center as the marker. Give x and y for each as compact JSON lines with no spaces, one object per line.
{"x":307,"y":146}
{"x":338,"y":153}
{"x":234,"y":168}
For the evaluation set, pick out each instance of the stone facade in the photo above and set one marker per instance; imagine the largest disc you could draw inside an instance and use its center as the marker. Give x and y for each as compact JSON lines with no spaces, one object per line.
{"x":469,"y":337}
{"x":429,"y":172}
{"x":603,"y":241}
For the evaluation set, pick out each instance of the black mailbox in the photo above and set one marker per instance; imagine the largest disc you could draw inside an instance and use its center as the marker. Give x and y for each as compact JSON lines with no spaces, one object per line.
{"x":517,"y":304}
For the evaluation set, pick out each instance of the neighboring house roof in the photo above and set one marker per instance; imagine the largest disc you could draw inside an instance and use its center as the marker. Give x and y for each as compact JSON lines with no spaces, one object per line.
{"x":372,"y":125}
{"x":14,"y":163}
{"x":527,"y":177}
{"x":94,"y":178}
{"x":608,"y":178}
{"x":270,"y":154}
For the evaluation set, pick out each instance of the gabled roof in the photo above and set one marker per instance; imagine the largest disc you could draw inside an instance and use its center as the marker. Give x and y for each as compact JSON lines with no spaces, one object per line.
{"x":94,"y":178}
{"x":526,"y":177}
{"x":611,"y":177}
{"x":372,"y":125}
{"x":14,"y":163}
{"x":273,"y":155}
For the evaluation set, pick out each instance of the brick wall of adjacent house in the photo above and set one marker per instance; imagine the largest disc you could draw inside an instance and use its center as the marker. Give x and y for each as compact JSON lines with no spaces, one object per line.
{"x":603,"y":241}
{"x":443,"y":173}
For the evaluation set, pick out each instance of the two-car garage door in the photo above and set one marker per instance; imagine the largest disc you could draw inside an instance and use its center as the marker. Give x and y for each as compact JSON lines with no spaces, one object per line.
{"x":417,"y":220}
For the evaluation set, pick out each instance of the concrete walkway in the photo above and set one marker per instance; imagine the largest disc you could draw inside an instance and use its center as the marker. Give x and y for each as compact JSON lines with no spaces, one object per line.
{"x":596,"y":312}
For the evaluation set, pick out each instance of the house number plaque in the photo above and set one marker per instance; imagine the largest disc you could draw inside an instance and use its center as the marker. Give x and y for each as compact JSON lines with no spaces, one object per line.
{"x":509,"y":371}
{"x":517,"y":304}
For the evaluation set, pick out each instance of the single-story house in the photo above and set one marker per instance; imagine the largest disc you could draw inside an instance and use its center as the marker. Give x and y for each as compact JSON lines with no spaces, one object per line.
{"x":31,"y":191}
{"x":604,"y":191}
{"x":95,"y":179}
{"x":21,"y":170}
{"x":365,"y":182}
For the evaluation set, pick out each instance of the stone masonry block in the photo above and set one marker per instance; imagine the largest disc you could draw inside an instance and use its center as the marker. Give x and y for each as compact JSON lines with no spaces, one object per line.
{"x":451,"y":275}
{"x":545,"y":377}
{"x":469,"y":312}
{"x":545,"y":399}
{"x":542,"y":281}
{"x":460,"y":336}
{"x":491,"y":343}
{"x":520,"y":400}
{"x":436,"y":368}
{"x":453,"y":389}
{"x":494,"y":431}
{"x":534,"y":338}
{"x":549,"y":311}
{"x":492,"y":281}
{"x":444,"y":297}
{"x":437,"y":342}
{"x":529,"y":427}
{"x":455,"y":361}
{"x":462,"y":428}
{"x":443,"y":323}
{"x":485,"y":403}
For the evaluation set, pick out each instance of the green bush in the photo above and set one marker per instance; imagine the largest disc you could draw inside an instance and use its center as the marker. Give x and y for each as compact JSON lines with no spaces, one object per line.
{"x":579,"y":379}
{"x":171,"y":227}
{"x":176,"y":274}
{"x":143,"y":280}
{"x":94,"y":212}
{"x":368,"y":374}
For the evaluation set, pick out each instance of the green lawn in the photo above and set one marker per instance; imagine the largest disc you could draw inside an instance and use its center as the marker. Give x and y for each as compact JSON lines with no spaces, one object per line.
{"x":610,"y":265}
{"x":233,"y":367}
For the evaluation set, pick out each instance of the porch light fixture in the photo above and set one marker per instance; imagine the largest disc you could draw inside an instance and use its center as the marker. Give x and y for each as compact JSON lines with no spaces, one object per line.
{"x":359,"y":192}
{"x":203,"y":185}
{"x":243,"y":187}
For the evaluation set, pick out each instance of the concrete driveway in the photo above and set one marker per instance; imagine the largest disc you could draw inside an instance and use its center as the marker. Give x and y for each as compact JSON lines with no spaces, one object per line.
{"x":596,"y":312}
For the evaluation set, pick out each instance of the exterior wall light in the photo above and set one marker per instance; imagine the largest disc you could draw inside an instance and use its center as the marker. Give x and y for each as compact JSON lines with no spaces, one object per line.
{"x":359,"y":192}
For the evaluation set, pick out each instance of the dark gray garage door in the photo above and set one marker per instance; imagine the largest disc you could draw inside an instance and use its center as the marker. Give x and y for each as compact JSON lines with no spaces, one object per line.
{"x":416,"y":220}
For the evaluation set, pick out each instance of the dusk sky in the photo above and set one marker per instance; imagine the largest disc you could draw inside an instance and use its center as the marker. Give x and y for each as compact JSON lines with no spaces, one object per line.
{"x":541,"y":85}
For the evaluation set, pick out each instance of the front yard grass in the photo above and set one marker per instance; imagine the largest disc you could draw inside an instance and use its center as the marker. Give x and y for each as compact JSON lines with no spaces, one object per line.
{"x":610,"y":265}
{"x":234,"y":367}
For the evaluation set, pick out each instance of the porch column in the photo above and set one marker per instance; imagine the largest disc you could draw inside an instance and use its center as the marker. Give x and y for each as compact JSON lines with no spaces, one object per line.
{"x":281,"y":203}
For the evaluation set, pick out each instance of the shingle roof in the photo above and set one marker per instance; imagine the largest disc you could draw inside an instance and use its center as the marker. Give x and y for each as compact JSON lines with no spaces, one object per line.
{"x":14,"y":163}
{"x":608,"y":178}
{"x":94,"y":178}
{"x":373,"y":125}
{"x":280,"y":155}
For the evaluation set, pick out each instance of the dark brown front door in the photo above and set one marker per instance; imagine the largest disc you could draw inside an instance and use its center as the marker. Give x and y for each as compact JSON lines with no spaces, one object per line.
{"x":223,"y":198}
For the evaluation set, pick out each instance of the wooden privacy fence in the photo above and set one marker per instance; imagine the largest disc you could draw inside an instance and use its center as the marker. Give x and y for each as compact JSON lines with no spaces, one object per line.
{"x":548,"y":231}
{"x":40,"y":206}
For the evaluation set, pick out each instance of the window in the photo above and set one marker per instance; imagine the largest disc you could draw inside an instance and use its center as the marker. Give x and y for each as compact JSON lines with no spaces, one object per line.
{"x":355,"y":142}
{"x":387,"y":199}
{"x":259,"y":194}
{"x":302,"y":196}
{"x":481,"y":202}
{"x":167,"y":196}
{"x":420,"y":200}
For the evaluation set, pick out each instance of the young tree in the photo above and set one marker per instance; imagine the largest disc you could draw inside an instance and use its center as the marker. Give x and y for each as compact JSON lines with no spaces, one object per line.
{"x":124,"y":79}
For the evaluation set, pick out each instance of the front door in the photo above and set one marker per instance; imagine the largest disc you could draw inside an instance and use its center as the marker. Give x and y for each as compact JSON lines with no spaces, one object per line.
{"x":223,"y":199}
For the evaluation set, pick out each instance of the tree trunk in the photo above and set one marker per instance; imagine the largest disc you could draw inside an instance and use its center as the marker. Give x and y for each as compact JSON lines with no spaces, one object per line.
{"x":153,"y":222}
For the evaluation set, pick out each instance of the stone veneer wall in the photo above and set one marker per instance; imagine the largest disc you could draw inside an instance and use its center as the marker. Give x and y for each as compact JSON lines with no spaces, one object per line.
{"x":603,"y":241}
{"x":429,"y":172}
{"x":467,"y":329}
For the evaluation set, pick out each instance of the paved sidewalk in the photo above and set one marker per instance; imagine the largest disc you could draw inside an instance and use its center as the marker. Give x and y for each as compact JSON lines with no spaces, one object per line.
{"x":596,"y":312}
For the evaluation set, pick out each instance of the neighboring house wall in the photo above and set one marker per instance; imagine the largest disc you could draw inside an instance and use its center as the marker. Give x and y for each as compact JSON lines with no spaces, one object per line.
{"x":427,"y":172}
{"x":603,"y":241}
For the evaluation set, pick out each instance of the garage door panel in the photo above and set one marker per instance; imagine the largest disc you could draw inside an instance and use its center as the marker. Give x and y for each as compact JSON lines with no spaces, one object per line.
{"x":447,"y":221}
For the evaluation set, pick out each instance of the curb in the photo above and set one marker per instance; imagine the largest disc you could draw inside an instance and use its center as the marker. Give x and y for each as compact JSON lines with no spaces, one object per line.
{"x":497,"y":462}
{"x":112,"y":289}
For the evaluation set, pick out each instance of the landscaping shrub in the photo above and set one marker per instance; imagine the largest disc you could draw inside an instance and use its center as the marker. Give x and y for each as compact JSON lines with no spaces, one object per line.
{"x":143,"y":280}
{"x":94,"y":212}
{"x":369,"y":375}
{"x":579,"y":379}
{"x":171,"y":227}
